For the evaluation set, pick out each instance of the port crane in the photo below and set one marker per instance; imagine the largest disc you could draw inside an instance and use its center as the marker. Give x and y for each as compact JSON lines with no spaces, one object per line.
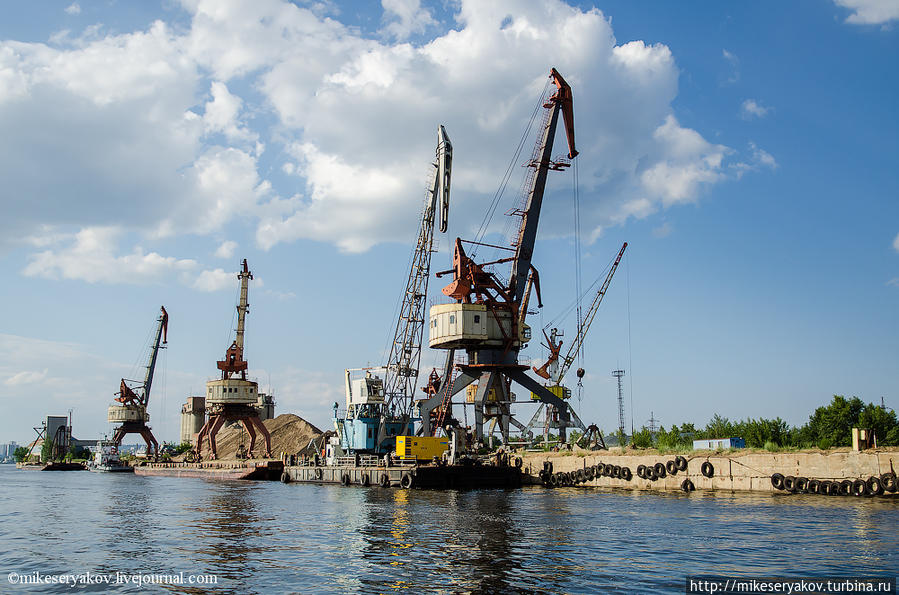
{"x":233,"y":398}
{"x":555,"y":368}
{"x":487,"y":320}
{"x":134,"y":396}
{"x":377,"y":410}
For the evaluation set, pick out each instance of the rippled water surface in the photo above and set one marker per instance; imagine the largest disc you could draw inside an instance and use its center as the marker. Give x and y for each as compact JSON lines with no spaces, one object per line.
{"x":268,"y":537}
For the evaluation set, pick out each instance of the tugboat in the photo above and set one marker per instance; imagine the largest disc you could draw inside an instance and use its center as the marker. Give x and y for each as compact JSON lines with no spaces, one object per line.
{"x":106,"y":459}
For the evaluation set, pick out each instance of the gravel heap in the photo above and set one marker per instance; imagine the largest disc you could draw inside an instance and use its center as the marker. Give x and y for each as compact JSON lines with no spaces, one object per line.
{"x":290,"y":433}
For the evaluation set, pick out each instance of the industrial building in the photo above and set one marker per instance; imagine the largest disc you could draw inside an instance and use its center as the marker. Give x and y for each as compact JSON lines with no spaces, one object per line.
{"x":716,"y":443}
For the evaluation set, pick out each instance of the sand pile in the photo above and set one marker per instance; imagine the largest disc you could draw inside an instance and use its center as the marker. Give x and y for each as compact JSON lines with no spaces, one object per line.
{"x":290,"y":434}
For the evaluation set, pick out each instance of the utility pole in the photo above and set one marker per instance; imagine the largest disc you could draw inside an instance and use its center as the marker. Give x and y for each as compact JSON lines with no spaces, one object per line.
{"x":652,"y":423}
{"x":619,"y":374}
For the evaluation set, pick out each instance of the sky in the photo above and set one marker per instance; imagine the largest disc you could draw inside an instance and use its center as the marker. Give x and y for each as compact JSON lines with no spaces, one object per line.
{"x":747,"y":152}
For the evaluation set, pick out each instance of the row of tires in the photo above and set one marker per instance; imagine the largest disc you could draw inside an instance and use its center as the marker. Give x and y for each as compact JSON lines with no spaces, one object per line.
{"x":365,"y":480}
{"x":873,"y":486}
{"x":649,"y":472}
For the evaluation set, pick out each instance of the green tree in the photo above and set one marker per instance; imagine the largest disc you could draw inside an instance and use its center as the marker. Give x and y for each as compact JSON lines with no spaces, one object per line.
{"x":882,"y":422}
{"x":20,"y":453}
{"x":642,"y":439}
{"x":719,"y":427}
{"x":47,"y":451}
{"x":831,"y":425}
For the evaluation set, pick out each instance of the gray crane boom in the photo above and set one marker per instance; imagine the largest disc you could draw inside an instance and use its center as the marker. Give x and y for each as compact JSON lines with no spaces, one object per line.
{"x":405,"y":350}
{"x":162,"y":330}
{"x":588,"y":319}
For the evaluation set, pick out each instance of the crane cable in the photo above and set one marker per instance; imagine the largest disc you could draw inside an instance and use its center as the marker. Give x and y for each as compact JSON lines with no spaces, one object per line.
{"x":577,"y":260}
{"x":497,"y":196}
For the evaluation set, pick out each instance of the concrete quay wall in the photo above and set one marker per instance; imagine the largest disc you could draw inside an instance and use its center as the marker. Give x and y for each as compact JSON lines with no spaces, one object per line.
{"x":733,"y":471}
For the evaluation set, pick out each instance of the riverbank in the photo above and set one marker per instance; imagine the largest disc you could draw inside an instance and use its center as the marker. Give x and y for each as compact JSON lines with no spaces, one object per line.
{"x":750,"y":471}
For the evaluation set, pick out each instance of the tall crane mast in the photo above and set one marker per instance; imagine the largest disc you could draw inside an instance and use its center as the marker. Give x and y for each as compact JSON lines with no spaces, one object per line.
{"x":234,"y":361}
{"x":405,"y":350}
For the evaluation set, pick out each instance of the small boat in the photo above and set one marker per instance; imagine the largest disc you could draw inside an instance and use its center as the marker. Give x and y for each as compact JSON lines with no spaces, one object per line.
{"x":106,"y":459}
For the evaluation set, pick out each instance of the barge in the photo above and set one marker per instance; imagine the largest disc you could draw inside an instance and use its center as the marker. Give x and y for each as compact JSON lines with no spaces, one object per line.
{"x":224,"y":469}
{"x":362,"y":471}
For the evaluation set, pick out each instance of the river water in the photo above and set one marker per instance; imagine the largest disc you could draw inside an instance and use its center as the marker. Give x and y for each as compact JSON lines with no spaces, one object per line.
{"x":268,"y":537}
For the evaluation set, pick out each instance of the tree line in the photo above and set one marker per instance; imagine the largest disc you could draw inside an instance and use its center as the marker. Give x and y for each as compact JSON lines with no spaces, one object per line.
{"x":830,"y":426}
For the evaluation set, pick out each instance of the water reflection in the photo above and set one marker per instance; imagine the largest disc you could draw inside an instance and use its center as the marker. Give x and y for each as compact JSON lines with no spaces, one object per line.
{"x":271,"y":537}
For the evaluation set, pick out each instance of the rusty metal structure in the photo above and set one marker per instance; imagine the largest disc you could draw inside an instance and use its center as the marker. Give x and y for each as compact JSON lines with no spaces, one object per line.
{"x":134,"y":396}
{"x":233,"y":398}
{"x":487,"y":320}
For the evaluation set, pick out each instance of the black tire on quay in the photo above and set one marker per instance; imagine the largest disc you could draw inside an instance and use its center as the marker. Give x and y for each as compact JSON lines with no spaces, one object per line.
{"x":591,"y":473}
{"x":813,"y":486}
{"x":888,"y":481}
{"x":616,"y":471}
{"x":641,"y":471}
{"x":777,"y":480}
{"x":607,"y":470}
{"x":859,"y":488}
{"x":581,"y":475}
{"x":790,"y":483}
{"x":681,"y":463}
{"x":553,"y":481}
{"x":365,"y":480}
{"x":626,"y":474}
{"x":548,"y":467}
{"x":707,"y":469}
{"x":687,"y":485}
{"x":846,"y":487}
{"x":318,"y":474}
{"x":285,"y":477}
{"x":600,"y":469}
{"x":651,"y":474}
{"x":875,"y":487}
{"x":345,"y":479}
{"x":671,"y":467}
{"x":824,"y":487}
{"x":406,"y":481}
{"x":384,"y":480}
{"x":802,"y":484}
{"x":660,"y":470}
{"x":519,"y":462}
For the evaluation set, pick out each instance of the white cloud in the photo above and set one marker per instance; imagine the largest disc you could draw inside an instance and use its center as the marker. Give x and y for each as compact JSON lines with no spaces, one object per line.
{"x":758,"y":159}
{"x":896,"y":243}
{"x":687,"y":161}
{"x":26,"y":377}
{"x":129,"y":133}
{"x":762,"y":157}
{"x":216,"y":280}
{"x":753,"y":109}
{"x":226,"y":249}
{"x":223,"y":115}
{"x":405,"y":18}
{"x":91,"y":257}
{"x":73,"y":8}
{"x":870,"y":12}
{"x":734,"y":62}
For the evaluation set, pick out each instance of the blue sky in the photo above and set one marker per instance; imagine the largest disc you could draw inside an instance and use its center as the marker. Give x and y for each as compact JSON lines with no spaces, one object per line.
{"x":747,"y":153}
